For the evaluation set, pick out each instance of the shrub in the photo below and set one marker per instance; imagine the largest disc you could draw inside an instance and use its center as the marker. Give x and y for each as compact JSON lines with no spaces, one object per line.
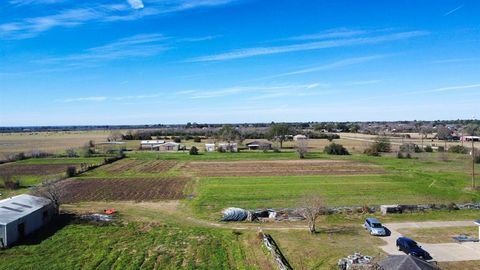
{"x":417,"y":149}
{"x":441,"y":149}
{"x":477,"y":158}
{"x":177,"y":140}
{"x":10,"y":183}
{"x":428,"y":149}
{"x":381,"y":144}
{"x":400,"y":155}
{"x":197,"y":139}
{"x":193,"y":151}
{"x":372,"y":151}
{"x":335,"y":149}
{"x":458,"y":149}
{"x":71,"y":152}
{"x":71,"y":171}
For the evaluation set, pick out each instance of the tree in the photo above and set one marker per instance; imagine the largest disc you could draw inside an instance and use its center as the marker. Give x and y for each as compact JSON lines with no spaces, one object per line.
{"x":193,"y":151}
{"x":302,"y":148}
{"x":311,"y":207}
{"x":115,"y":136}
{"x":443,"y":133}
{"x":52,"y":190}
{"x":335,"y":149}
{"x":279,"y":132}
{"x":228,"y":133}
{"x":382,"y":144}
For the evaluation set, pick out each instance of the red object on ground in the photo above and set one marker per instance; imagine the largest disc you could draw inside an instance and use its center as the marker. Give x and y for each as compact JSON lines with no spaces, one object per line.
{"x":110,"y":211}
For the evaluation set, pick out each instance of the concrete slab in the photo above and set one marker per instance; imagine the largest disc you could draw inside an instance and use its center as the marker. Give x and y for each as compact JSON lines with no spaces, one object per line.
{"x":445,"y":252}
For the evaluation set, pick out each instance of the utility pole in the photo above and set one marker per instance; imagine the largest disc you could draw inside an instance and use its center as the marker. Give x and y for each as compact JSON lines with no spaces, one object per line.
{"x":473,"y":163}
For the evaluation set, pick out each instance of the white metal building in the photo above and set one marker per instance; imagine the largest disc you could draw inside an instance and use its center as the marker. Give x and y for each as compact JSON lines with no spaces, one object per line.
{"x":22,"y":215}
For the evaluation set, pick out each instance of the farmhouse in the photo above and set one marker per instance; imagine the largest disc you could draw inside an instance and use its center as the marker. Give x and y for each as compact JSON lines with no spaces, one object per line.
{"x":21,"y":215}
{"x":151,"y":144}
{"x":259,"y":145}
{"x":169,"y":146}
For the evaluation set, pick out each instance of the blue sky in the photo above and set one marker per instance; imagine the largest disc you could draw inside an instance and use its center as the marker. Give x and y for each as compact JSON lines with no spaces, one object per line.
{"x":66,"y":62}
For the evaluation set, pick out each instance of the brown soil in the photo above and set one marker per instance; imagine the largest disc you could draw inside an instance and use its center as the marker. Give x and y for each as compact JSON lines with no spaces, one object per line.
{"x":36,"y":169}
{"x":132,"y":189}
{"x":281,"y":168}
{"x":155,"y":166}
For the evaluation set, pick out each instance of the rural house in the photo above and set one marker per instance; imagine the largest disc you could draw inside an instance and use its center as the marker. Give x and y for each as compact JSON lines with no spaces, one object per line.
{"x":258,"y":145}
{"x":169,"y":146}
{"x":22,"y":215}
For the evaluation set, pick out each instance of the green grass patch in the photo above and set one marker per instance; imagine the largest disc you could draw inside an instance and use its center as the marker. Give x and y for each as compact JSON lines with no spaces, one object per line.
{"x":245,"y":155}
{"x":75,"y":160}
{"x":134,"y":246}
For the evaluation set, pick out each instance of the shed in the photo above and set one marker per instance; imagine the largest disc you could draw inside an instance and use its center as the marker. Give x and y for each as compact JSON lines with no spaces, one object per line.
{"x":228,"y":147}
{"x":169,"y":146}
{"x":151,"y":144}
{"x":259,"y":145}
{"x":210,"y":147}
{"x":299,"y":137}
{"x":22,"y":215}
{"x":400,"y":262}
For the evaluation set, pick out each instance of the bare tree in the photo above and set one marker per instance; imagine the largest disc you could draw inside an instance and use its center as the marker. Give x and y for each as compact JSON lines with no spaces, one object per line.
{"x":302,"y":148}
{"x":52,"y":190}
{"x":311,"y":207}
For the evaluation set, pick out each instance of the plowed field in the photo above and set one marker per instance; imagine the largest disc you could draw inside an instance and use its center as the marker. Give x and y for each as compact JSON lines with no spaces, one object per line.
{"x":281,"y":168}
{"x":115,"y":189}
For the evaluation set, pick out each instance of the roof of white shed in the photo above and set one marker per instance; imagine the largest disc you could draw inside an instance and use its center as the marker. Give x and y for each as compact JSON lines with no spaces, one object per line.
{"x":19,"y":206}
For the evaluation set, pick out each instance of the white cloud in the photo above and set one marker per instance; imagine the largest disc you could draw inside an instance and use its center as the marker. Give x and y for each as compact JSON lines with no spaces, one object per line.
{"x":142,"y":45}
{"x":453,"y":10}
{"x":86,"y":11}
{"x":258,"y":51}
{"x":82,"y":99}
{"x":136,"y":4}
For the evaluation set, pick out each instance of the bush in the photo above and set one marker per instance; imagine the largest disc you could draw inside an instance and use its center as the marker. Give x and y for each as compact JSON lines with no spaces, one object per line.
{"x":441,"y":149}
{"x":417,"y":149}
{"x":70,"y":152}
{"x":177,"y":140}
{"x":458,"y":149}
{"x":372,"y":151}
{"x":193,"y":151}
{"x":381,"y":144}
{"x":197,"y":139}
{"x":335,"y":149}
{"x":71,"y":171}
{"x":400,"y":155}
{"x":428,"y":149}
{"x":10,"y":183}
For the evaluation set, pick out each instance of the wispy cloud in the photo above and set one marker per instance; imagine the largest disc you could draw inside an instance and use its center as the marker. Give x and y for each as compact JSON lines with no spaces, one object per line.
{"x":84,"y":12}
{"x":82,"y":99}
{"x":450,"y":88}
{"x":29,"y":2}
{"x":256,"y":91}
{"x":141,"y":45}
{"x":136,"y":4}
{"x":331,"y":33}
{"x":456,"y":60}
{"x":258,"y":51}
{"x":453,"y":10}
{"x":366,"y":82}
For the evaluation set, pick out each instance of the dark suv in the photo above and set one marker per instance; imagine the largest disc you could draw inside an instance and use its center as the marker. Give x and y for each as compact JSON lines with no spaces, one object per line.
{"x":411,"y":247}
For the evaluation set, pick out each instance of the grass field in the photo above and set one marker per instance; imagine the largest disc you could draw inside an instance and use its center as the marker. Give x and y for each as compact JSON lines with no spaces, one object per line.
{"x":52,"y":142}
{"x":136,"y":246}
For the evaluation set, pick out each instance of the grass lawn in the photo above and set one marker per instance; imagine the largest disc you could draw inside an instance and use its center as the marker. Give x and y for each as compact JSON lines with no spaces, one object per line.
{"x":136,"y":246}
{"x":74,"y":160}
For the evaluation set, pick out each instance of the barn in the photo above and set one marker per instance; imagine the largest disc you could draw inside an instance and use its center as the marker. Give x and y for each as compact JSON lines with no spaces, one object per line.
{"x":22,"y":215}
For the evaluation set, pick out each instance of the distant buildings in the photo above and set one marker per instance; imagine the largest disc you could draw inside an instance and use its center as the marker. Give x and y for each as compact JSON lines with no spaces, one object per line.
{"x":159,"y":145}
{"x":22,"y":215}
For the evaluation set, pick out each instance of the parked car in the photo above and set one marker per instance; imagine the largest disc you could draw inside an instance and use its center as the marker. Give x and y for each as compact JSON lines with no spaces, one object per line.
{"x":411,"y":247}
{"x":374,"y":226}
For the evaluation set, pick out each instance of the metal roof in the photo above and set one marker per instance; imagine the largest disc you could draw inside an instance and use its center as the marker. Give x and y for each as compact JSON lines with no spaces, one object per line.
{"x":19,"y":206}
